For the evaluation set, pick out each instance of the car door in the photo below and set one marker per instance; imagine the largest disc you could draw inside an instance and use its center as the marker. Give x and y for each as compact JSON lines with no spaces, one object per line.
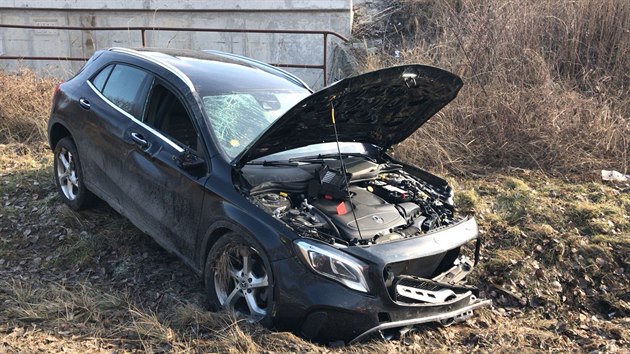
{"x":165,"y":171}
{"x":108,"y":102}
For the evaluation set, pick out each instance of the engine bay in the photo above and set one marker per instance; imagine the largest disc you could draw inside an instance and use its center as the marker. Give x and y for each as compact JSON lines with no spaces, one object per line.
{"x":372,"y":203}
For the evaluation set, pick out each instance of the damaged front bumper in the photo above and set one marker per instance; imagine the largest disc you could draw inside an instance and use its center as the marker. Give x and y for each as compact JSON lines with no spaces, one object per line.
{"x":324,"y":310}
{"x":453,"y":316}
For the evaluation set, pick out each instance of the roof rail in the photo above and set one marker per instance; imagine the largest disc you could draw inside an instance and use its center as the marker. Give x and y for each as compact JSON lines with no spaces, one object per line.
{"x":165,"y":65}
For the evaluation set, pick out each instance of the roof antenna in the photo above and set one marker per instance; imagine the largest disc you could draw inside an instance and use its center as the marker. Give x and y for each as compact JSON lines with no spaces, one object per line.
{"x":343,"y":166}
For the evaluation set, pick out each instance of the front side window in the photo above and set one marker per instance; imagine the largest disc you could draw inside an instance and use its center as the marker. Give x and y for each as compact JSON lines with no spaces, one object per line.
{"x":238,"y":118}
{"x":166,"y":113}
{"x":125,"y":86}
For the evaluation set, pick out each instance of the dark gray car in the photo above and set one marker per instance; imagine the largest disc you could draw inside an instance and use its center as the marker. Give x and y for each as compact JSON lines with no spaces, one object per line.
{"x":284,"y":201}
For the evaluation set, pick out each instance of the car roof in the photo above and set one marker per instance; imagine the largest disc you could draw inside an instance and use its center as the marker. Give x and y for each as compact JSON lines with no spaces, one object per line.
{"x":195,"y":64}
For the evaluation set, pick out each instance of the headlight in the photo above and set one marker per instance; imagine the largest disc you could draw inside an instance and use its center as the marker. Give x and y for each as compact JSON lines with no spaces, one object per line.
{"x":333,"y":264}
{"x":451,"y":194}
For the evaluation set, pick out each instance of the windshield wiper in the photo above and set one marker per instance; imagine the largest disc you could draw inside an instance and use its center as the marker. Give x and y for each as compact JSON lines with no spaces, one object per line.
{"x":308,"y":159}
{"x":273,"y":163}
{"x":320,"y":157}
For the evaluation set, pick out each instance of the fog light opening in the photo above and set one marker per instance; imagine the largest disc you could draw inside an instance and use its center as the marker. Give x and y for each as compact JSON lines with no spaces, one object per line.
{"x":384,"y":317}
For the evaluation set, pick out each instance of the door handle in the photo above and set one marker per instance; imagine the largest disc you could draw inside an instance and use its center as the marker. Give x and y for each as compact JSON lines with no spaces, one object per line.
{"x":139,"y":140}
{"x":85,"y":104}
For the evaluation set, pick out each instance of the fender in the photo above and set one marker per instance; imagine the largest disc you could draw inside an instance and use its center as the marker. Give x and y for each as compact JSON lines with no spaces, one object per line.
{"x":277,"y":244}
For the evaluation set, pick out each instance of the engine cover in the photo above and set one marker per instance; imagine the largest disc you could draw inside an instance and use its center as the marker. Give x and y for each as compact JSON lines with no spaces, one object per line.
{"x":374,"y":215}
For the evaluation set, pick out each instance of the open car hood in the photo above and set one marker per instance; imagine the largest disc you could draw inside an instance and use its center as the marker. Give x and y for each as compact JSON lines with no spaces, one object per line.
{"x":381,"y":107}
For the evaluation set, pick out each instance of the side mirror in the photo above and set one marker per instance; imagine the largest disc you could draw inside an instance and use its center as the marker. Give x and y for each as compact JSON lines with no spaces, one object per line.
{"x":187,"y":160}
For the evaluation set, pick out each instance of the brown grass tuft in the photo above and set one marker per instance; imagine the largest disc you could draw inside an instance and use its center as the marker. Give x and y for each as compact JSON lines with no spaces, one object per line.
{"x":25,"y":102}
{"x":62,"y":304}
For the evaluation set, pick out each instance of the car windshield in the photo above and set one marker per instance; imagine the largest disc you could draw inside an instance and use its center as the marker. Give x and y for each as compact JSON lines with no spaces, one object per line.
{"x":238,"y":118}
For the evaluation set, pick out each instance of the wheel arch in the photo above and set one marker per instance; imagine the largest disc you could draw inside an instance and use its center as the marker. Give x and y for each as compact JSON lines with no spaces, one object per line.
{"x":57,"y":132}
{"x":218,"y":230}
{"x":273,"y":242}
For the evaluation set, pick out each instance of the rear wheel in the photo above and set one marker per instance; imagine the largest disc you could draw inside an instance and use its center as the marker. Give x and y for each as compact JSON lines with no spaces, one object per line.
{"x":238,"y":278}
{"x":69,"y":176}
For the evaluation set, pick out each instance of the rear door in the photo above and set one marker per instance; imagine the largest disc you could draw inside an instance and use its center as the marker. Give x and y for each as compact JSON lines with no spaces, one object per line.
{"x":110,"y":102}
{"x":162,"y":196}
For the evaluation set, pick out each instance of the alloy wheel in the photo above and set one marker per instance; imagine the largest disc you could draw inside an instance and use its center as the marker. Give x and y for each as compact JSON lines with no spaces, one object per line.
{"x":67,"y":174}
{"x":241,"y":282}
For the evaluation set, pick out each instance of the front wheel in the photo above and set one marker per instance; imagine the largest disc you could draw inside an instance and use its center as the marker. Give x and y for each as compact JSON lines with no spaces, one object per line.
{"x":238,"y":278}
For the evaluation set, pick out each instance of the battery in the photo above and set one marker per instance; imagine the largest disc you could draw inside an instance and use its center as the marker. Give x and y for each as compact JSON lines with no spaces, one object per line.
{"x":391,"y":194}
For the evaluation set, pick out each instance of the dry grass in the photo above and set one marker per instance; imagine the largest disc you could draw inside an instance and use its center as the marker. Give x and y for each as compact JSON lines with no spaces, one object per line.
{"x":547,"y":82}
{"x":25,"y":106}
{"x":69,"y":307}
{"x":91,"y":282}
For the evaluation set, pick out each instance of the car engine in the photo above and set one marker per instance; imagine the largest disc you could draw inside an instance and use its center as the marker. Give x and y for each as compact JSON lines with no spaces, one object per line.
{"x":382,"y":203}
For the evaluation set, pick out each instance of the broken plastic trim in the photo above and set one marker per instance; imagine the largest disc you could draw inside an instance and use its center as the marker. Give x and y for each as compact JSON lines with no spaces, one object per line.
{"x":454,"y":316}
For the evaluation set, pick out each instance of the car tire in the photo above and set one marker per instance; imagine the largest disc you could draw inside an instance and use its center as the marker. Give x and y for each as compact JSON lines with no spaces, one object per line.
{"x":238,"y":278}
{"x":69,"y":176}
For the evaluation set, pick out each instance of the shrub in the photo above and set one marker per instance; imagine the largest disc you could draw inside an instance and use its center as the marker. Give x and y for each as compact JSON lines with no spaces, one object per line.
{"x":25,"y":102}
{"x":547,"y":83}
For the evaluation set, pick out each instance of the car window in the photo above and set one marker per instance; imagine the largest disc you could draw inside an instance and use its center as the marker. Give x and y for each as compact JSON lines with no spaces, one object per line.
{"x":99,"y":80}
{"x":166,"y":113}
{"x":126,"y":88}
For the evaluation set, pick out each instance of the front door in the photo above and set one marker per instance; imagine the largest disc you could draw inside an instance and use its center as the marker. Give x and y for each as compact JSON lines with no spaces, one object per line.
{"x":164,"y":195}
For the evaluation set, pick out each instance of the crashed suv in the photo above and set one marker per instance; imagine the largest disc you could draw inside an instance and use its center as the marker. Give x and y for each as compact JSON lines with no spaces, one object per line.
{"x":284,"y":201}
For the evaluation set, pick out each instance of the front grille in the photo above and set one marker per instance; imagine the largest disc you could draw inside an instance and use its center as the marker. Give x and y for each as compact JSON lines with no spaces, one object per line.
{"x":419,"y":283}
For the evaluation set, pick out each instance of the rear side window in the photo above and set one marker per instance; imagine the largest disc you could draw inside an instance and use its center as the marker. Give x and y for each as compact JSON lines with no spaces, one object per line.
{"x":126,"y":87}
{"x":99,"y":80}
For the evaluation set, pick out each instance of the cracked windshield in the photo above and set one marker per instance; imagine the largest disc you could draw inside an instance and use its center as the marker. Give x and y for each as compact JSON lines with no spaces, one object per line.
{"x":239,"y":118}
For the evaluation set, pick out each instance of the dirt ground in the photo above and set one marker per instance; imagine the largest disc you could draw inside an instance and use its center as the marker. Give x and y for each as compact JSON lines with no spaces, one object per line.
{"x":555,"y":262}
